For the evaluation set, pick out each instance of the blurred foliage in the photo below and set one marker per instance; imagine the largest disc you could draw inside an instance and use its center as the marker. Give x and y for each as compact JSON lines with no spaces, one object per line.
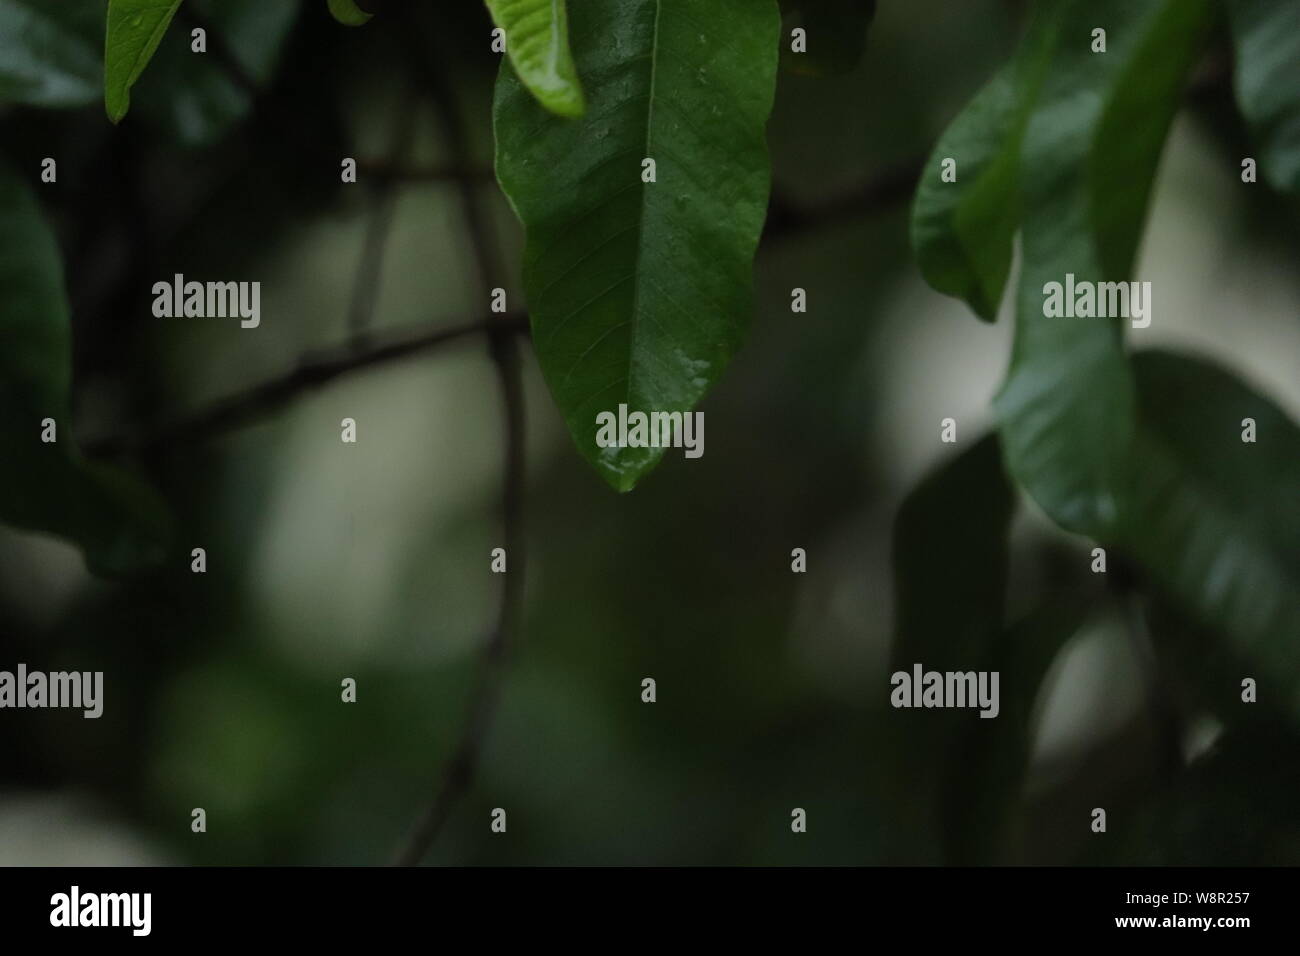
{"x":328,"y":561}
{"x":119,"y":524}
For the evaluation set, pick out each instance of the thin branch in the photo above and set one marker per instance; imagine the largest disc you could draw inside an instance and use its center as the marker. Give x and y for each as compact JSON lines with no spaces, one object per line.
{"x":897,"y":184}
{"x":461,"y":767}
{"x":312,"y":372}
{"x":379,"y":227}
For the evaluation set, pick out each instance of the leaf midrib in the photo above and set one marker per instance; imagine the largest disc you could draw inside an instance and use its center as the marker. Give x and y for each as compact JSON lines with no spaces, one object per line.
{"x":635,"y":320}
{"x":553,"y":66}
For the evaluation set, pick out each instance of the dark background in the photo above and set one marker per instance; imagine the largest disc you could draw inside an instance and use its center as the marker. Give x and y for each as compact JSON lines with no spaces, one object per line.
{"x":328,"y":560}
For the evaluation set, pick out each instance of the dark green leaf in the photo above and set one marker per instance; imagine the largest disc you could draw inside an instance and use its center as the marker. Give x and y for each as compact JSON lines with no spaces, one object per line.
{"x":1266,"y":34}
{"x":1067,"y":407}
{"x":1235,"y":806}
{"x":989,"y":759}
{"x":49,"y":52}
{"x":962,"y":231}
{"x":1214,"y":520}
{"x":640,"y":293}
{"x":537,"y":42}
{"x":950,"y":579}
{"x":950,"y":560}
{"x":50,"y":488}
{"x":135,"y":28}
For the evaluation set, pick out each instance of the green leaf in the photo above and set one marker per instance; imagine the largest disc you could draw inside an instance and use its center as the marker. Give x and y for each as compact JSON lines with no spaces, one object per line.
{"x":47,"y":486}
{"x":1235,"y":806}
{"x":950,"y":560}
{"x":1089,"y":156}
{"x":989,"y":759}
{"x":194,"y":100}
{"x":640,"y":293}
{"x":1215,"y":520}
{"x":836,"y":33}
{"x":950,"y":581}
{"x":537,"y":42}
{"x":348,"y":13}
{"x":962,"y":231}
{"x":135,"y":28}
{"x":1266,"y":34}
{"x":49,"y":52}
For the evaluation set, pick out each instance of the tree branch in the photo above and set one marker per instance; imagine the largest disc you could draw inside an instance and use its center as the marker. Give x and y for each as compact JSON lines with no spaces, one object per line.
{"x":379,"y":226}
{"x":461,"y":767}
{"x":312,"y":372}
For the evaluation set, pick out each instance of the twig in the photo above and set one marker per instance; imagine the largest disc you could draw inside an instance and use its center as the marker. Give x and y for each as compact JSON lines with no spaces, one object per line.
{"x":312,"y":372}
{"x":379,"y":227}
{"x":461,"y":767}
{"x":459,"y":771}
{"x":897,"y":184}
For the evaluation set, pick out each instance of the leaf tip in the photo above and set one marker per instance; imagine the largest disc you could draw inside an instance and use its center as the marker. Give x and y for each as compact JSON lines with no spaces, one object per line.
{"x":116,"y":106}
{"x":570,"y":110}
{"x":348,"y":13}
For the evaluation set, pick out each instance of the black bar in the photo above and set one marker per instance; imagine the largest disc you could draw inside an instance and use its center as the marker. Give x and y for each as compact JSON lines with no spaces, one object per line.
{"x":333,"y":906}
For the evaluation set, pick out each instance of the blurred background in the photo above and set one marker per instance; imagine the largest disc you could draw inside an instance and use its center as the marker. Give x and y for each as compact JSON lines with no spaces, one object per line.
{"x":370,"y":561}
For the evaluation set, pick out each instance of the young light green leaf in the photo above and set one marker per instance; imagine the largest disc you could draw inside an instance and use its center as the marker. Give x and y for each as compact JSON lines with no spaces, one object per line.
{"x":537,"y":42}
{"x":643,"y":216}
{"x":967,"y":206}
{"x":49,"y":52}
{"x":348,"y":13}
{"x":47,"y":486}
{"x":1215,"y":520}
{"x":1266,"y":34}
{"x":135,"y":28}
{"x":1066,"y":410}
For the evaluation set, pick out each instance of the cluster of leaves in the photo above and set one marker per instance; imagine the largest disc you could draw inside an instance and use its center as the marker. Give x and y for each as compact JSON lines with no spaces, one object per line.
{"x":50,"y":56}
{"x":1141,"y":452}
{"x":640,"y":292}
